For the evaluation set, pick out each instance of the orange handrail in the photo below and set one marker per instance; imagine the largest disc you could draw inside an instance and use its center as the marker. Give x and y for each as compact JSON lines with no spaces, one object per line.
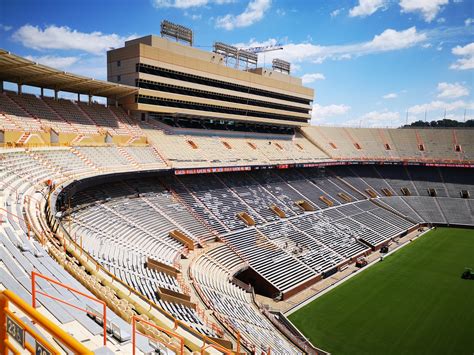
{"x":34,"y":291}
{"x":56,"y":332}
{"x":31,"y":332}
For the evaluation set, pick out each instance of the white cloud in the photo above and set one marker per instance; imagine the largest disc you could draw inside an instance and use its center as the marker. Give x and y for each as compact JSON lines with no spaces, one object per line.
{"x":320,"y":113}
{"x":193,"y":17}
{"x":391,"y":40}
{"x":391,"y":95}
{"x":439,"y":105}
{"x":452,"y":91}
{"x":312,"y":77}
{"x":428,"y":8}
{"x":388,"y":40}
{"x":54,"y":61}
{"x":186,"y":4}
{"x":441,"y":20}
{"x":280,"y":12}
{"x":466,"y":50}
{"x":469,"y":21}
{"x":254,"y":12}
{"x":467,"y":57}
{"x":65,"y":38}
{"x":366,"y":7}
{"x":377,"y":119}
{"x":336,"y":12}
{"x":93,"y":66}
{"x":5,"y":28}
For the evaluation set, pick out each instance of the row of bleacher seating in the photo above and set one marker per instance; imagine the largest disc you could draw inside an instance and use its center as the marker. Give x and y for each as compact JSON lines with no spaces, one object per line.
{"x":287,"y":252}
{"x":39,"y":163}
{"x":440,"y":210}
{"x":233,"y":305}
{"x":220,"y":197}
{"x":22,"y":170}
{"x":31,"y":113}
{"x":389,"y":144}
{"x":290,"y":251}
{"x":20,"y":255}
{"x":417,"y":180}
{"x":444,"y":207}
{"x":294,"y":248}
{"x":197,"y":148}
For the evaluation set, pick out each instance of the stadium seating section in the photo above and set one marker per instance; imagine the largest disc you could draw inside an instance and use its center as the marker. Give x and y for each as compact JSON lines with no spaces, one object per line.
{"x":276,"y":220}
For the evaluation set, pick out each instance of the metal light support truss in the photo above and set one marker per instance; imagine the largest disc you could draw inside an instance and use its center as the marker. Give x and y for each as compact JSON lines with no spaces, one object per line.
{"x":177,"y":32}
{"x":281,"y":65}
{"x":240,"y":56}
{"x":227,"y":51}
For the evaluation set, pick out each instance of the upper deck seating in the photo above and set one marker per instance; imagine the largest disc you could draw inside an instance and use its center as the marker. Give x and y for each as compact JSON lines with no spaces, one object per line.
{"x":15,"y":117}
{"x":38,"y":109}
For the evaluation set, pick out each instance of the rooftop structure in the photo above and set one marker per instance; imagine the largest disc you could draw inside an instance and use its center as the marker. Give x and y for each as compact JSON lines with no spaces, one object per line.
{"x":175,"y":78}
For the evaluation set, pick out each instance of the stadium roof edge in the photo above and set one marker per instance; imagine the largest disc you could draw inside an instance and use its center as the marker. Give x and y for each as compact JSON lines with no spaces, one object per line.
{"x":23,"y":71}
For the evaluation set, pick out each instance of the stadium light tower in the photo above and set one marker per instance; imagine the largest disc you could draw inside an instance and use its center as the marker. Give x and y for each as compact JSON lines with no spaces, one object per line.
{"x":176,"y":32}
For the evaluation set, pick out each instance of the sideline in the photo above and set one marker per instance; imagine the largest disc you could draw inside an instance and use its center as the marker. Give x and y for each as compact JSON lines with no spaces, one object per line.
{"x":337,"y":283}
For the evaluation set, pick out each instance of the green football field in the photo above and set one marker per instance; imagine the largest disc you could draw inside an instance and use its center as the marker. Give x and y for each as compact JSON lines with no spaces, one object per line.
{"x":413,"y":302}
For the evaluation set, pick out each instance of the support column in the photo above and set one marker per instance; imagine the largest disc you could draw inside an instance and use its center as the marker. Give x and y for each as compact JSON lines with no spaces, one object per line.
{"x":42,"y":92}
{"x":55,"y":94}
{"x":19,"y":88}
{"x":90,"y":99}
{"x":78,"y":97}
{"x":1,"y":86}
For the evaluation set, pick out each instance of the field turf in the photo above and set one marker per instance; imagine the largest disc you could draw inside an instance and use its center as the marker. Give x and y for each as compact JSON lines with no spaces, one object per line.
{"x":413,"y":302}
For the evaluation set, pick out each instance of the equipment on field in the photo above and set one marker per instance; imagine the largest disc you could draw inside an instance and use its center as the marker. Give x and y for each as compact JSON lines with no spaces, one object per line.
{"x":361,"y":262}
{"x":468,"y":274}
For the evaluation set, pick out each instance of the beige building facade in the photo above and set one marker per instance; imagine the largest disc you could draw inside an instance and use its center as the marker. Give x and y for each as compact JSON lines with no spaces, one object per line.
{"x":175,"y":79}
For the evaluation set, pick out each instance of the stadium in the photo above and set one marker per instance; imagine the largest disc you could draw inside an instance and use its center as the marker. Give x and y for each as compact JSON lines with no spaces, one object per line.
{"x":197,"y":211}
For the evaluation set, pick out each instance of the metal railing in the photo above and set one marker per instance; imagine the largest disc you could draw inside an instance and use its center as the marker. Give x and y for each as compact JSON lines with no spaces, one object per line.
{"x":11,"y":326}
{"x":34,"y":292}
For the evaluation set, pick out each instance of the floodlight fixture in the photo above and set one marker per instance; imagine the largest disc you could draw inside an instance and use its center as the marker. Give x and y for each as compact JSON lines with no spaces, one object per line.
{"x":177,"y":32}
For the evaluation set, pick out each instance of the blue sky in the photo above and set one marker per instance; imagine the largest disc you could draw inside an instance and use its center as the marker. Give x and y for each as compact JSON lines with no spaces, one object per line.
{"x":369,"y":61}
